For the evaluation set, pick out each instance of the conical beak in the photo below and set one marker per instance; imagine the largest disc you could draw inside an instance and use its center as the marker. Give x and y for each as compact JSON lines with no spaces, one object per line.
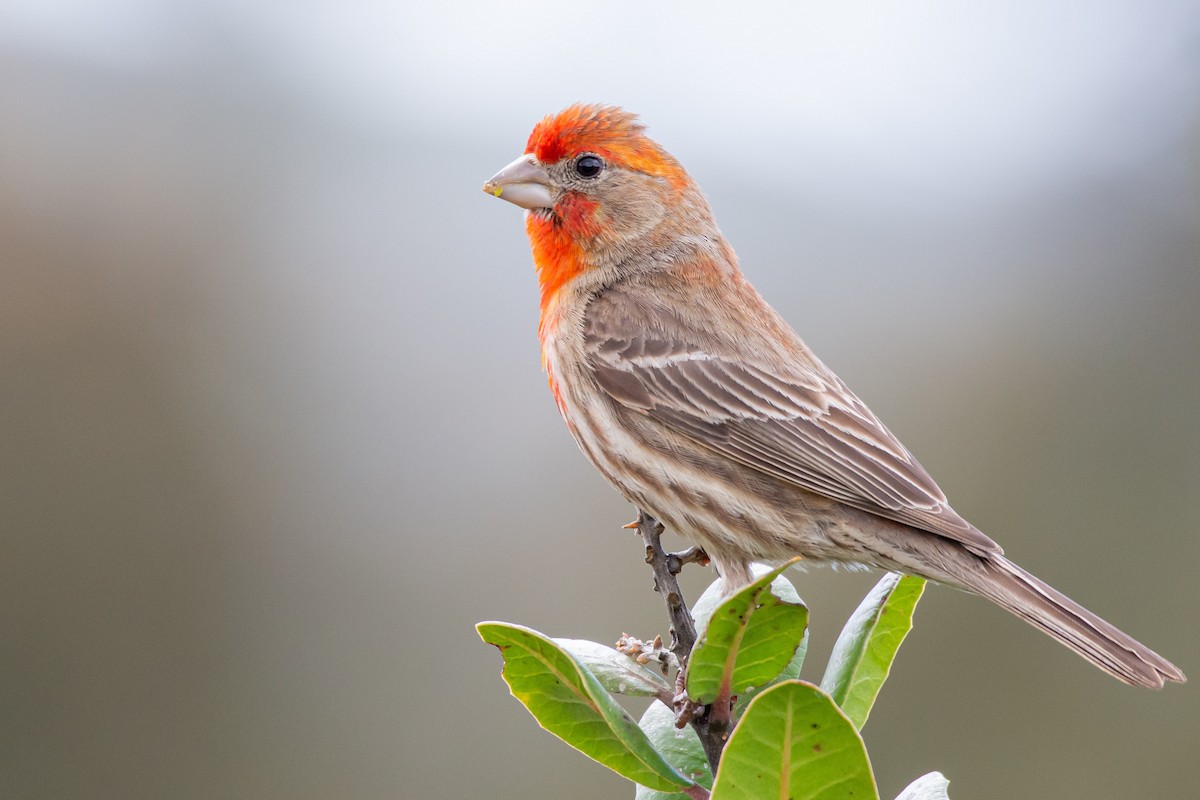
{"x":524,"y":183}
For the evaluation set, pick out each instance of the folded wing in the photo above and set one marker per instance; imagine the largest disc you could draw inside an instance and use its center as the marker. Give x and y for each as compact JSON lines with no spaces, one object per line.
{"x":795,"y":421}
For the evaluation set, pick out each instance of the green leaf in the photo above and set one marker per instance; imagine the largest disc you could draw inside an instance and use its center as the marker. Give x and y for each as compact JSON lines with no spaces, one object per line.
{"x":782,"y":588}
{"x":790,"y":673}
{"x":863,"y":654}
{"x":568,"y":701}
{"x":933,"y":786}
{"x":616,"y":671}
{"x":711,"y":598}
{"x":681,"y":747}
{"x":794,"y":743}
{"x":750,"y":638}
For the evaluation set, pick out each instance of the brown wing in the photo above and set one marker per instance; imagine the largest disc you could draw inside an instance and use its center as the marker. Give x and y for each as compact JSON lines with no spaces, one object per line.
{"x":794,"y":421}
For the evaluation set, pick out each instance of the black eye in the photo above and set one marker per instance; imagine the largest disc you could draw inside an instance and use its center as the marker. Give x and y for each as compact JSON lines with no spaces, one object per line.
{"x":588,"y":166}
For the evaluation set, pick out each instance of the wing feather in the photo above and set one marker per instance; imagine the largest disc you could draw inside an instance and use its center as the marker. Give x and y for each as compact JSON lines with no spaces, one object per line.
{"x":803,"y":426}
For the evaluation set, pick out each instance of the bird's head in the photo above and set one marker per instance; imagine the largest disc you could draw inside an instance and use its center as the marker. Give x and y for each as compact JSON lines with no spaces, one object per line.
{"x":598,"y":189}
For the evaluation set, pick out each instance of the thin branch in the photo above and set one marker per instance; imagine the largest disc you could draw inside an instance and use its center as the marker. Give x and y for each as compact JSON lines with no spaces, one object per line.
{"x":683,"y":628}
{"x":683,"y":632}
{"x":692,"y":555}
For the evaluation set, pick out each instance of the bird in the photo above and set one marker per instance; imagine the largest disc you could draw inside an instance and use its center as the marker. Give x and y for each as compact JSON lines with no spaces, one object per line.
{"x":705,"y":409}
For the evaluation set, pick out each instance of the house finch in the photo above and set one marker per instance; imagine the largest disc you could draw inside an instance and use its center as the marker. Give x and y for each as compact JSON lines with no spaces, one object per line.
{"x":706,"y":410}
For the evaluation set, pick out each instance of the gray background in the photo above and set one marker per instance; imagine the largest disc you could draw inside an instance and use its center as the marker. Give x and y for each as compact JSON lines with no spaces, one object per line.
{"x":274,"y":435}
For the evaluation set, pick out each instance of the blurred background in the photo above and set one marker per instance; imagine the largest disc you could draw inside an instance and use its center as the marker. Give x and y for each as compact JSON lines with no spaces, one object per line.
{"x":274,"y":433}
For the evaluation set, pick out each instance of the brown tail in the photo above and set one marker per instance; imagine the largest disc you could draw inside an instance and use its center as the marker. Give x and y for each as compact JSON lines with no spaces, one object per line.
{"x":1044,"y":607}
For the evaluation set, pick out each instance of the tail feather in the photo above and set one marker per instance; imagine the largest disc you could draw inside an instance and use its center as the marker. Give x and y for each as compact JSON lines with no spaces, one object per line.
{"x":1033,"y":600}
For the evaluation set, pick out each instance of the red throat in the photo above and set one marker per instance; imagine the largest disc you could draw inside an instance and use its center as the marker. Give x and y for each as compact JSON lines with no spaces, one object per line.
{"x":557,"y":243}
{"x":558,"y":255}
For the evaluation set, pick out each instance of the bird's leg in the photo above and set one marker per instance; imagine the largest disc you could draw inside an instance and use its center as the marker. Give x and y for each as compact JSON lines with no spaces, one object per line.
{"x":735,"y":573}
